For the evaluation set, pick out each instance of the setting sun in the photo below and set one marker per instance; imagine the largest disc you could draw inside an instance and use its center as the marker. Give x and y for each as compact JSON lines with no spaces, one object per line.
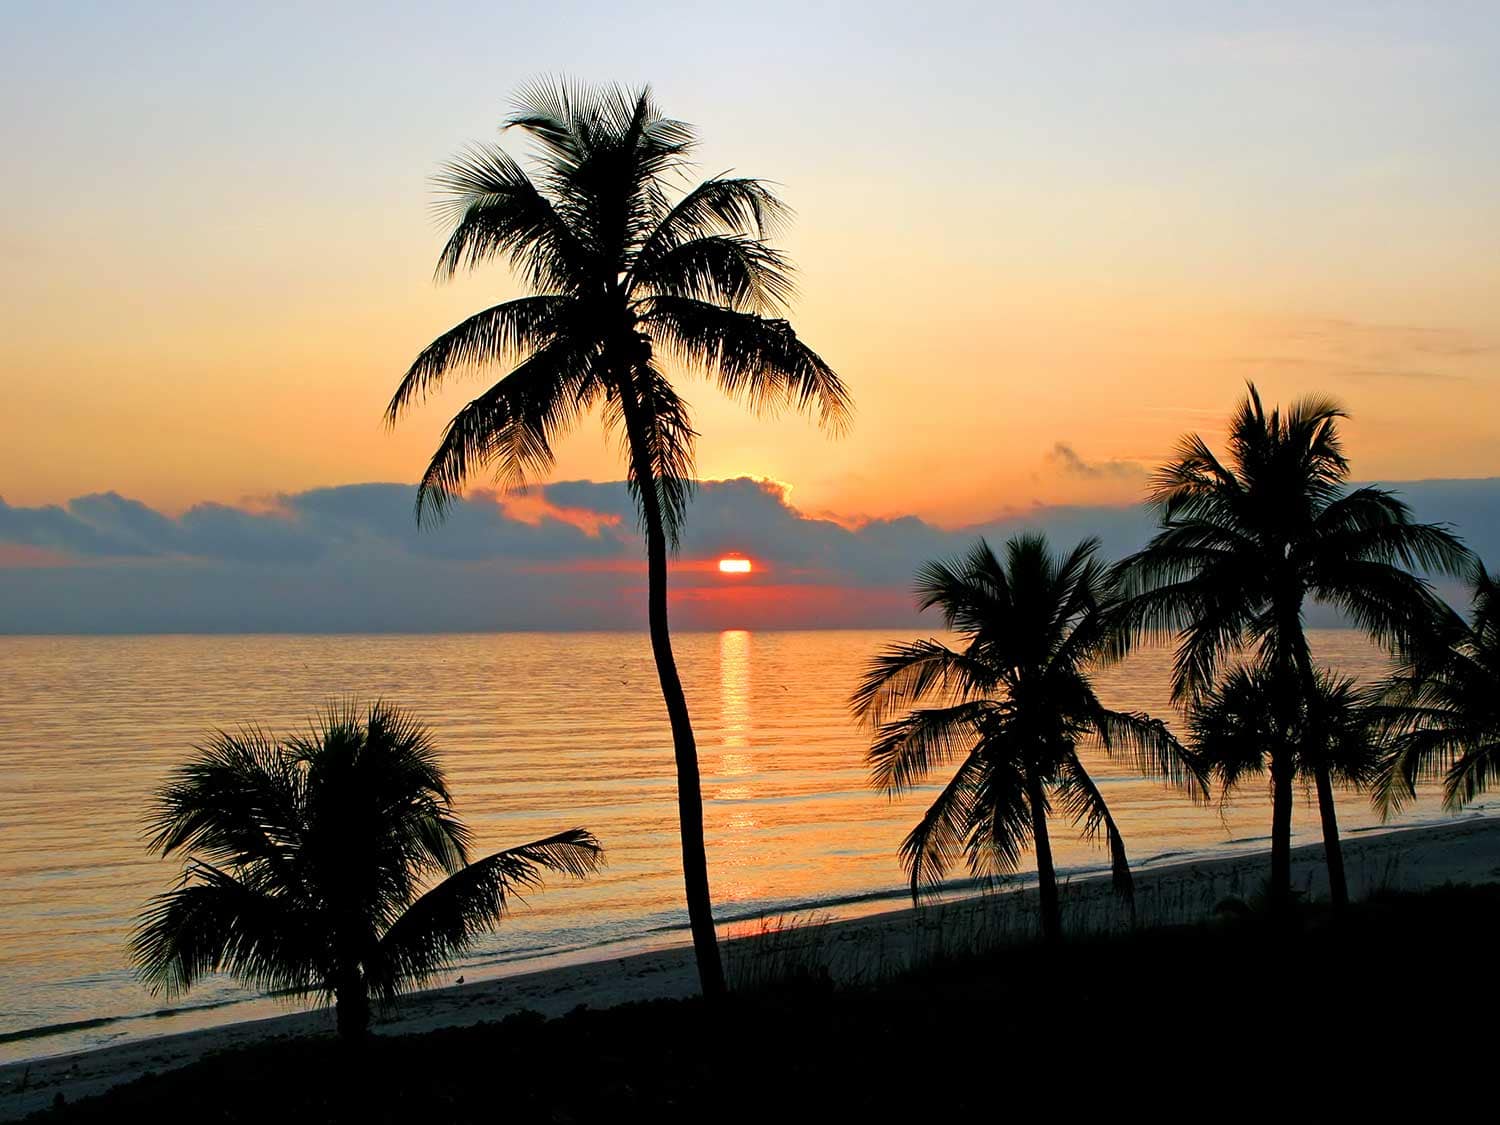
{"x":734,"y":566}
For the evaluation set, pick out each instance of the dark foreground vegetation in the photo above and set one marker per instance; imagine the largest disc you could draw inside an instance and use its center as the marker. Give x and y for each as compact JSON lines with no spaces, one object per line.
{"x":1317,"y":1017}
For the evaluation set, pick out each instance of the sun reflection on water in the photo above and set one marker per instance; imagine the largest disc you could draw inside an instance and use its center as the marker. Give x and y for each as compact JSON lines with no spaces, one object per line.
{"x":737,"y":852}
{"x":734,"y":705}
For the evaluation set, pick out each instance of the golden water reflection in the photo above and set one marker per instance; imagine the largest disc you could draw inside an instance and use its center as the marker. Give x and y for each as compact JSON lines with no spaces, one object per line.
{"x":739,"y":850}
{"x":734,"y":710}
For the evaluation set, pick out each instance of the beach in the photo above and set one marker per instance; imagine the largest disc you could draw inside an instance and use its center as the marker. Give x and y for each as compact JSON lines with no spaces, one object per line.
{"x":1466,"y":850}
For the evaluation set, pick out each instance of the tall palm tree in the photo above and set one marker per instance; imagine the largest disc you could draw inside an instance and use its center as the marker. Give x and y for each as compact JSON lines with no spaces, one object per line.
{"x":1235,"y":731}
{"x":313,"y":865}
{"x":626,"y":271}
{"x":1012,"y":705}
{"x":1441,"y":708}
{"x":1245,"y":544}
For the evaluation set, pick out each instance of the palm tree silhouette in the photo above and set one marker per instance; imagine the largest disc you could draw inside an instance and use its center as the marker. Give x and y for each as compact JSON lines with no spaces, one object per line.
{"x":1011,"y":705}
{"x":625,"y":271}
{"x":1244,"y":546}
{"x":1440,"y":709}
{"x":1234,"y":728}
{"x":311,"y":865}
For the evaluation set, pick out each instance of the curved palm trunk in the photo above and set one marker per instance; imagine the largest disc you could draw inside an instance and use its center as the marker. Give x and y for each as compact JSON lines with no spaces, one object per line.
{"x":684,"y":746}
{"x":1046,"y":874}
{"x":1281,"y":828}
{"x":1338,"y":885}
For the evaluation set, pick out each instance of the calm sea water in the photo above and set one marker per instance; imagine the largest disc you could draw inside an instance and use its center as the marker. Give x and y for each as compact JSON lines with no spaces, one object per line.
{"x":539,"y":732}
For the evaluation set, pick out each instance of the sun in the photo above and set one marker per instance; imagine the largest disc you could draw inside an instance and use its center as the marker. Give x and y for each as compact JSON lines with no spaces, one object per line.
{"x":734,"y":566}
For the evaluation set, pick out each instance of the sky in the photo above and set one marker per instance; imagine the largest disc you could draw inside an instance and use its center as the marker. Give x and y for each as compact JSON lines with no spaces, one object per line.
{"x":1039,"y":242}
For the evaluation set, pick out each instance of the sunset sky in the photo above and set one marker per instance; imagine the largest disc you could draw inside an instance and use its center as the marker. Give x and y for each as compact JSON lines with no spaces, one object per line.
{"x":1038,"y":241}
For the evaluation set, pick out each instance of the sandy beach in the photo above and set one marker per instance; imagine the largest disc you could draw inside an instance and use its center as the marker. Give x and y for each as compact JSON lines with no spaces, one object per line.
{"x":1466,"y":850}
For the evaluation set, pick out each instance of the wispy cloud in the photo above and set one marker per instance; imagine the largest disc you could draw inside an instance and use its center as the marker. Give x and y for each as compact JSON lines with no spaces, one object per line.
{"x":1066,"y":459}
{"x":1390,"y":373}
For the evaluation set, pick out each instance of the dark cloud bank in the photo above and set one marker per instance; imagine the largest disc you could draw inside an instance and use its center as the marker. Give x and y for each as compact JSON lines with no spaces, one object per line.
{"x":351,"y":559}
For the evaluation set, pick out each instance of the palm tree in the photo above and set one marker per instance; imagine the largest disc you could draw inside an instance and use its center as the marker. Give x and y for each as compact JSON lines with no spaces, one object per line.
{"x":312,"y":865}
{"x":1012,"y":705}
{"x":625,"y":271}
{"x":1235,"y":730}
{"x":1441,"y":708}
{"x":1245,"y":545}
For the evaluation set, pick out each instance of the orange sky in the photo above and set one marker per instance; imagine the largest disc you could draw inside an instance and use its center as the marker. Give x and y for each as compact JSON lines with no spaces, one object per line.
{"x":1032,"y":285}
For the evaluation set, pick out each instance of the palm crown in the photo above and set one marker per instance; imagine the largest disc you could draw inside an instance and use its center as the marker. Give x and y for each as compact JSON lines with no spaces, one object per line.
{"x":330,"y":864}
{"x":1012,"y":704}
{"x":1244,"y":544}
{"x":1441,"y":709}
{"x":1234,"y":726}
{"x":627,"y":270}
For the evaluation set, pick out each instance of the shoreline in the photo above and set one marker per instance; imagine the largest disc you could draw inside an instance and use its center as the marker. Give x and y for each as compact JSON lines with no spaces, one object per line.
{"x":1465,"y":849}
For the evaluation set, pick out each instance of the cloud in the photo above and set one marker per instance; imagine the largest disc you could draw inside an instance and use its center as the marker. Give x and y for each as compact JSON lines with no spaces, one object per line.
{"x":352,"y":559}
{"x":1066,"y":459}
{"x":1351,"y":349}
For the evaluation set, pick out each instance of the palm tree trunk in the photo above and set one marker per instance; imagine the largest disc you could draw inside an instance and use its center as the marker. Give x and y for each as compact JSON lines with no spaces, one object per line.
{"x":1333,"y":851}
{"x":1338,"y":885}
{"x":351,"y":1008}
{"x":1281,"y":828}
{"x":684,"y":746}
{"x":1293,"y":682}
{"x":1046,"y":874}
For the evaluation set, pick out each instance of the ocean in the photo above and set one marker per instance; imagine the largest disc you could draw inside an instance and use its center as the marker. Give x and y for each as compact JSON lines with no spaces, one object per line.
{"x":539,"y":732}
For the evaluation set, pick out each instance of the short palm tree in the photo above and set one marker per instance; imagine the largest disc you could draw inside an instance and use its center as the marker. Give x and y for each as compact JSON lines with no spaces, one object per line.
{"x":1244,"y":546}
{"x":314,"y":864}
{"x":1235,"y":733}
{"x":1012,"y":704}
{"x":1441,"y":708}
{"x":627,"y":271}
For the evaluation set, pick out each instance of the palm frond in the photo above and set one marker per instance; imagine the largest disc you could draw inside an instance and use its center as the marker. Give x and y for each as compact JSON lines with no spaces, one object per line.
{"x":511,"y":428}
{"x":1373,"y":525}
{"x":1192,"y":481}
{"x":906,"y":750}
{"x":1153,"y":749}
{"x":392,"y":762}
{"x":1391,"y":605}
{"x":736,"y":272}
{"x":753,"y":358}
{"x":902,"y":675}
{"x":1233,"y":729}
{"x":443,"y":923}
{"x":720,"y":205}
{"x":1001,"y":824}
{"x":973,"y":592}
{"x":1085,"y":808}
{"x":216,"y":921}
{"x":238,"y":801}
{"x":505,"y":333}
{"x":1475,"y":771}
{"x":664,"y":463}
{"x":495,"y":210}
{"x":604,"y":152}
{"x":943,"y":833}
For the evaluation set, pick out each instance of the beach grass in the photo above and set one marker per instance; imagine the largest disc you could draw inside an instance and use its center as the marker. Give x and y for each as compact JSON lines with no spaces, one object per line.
{"x":1175,"y":1021}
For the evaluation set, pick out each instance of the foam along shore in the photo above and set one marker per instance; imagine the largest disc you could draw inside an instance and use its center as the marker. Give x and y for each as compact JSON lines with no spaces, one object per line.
{"x":1464,"y":850}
